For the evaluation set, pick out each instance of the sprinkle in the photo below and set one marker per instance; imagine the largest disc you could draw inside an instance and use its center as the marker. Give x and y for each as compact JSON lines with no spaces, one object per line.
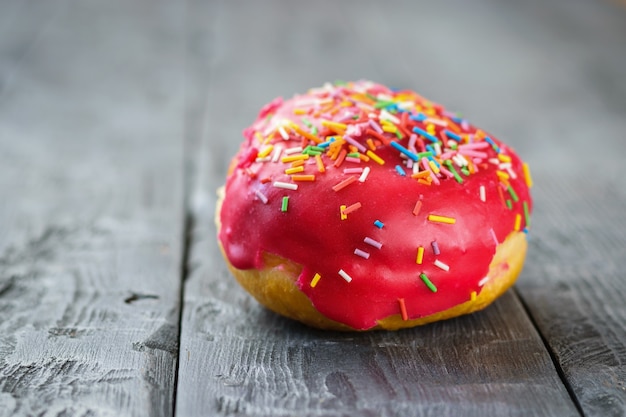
{"x":364,"y":175}
{"x":527,"y":178}
{"x":435,"y":246}
{"x":276,"y":155}
{"x":373,"y":242}
{"x":375,"y":157}
{"x":509,"y":204}
{"x":306,"y":134}
{"x":352,"y":170}
{"x":345,"y":275}
{"x":420,"y":255}
{"x":285,"y":185}
{"x":417,"y":208}
{"x":291,"y":158}
{"x":294,"y":170}
{"x":320,"y":163}
{"x":340,"y":158}
{"x":315,"y":280}
{"x":483,"y":196}
{"x":404,"y":150}
{"x":265,"y":151}
{"x":526,"y":214}
{"x":261,"y":196}
{"x":376,"y":127}
{"x":441,"y":265}
{"x":518,"y":222}
{"x":494,"y":237}
{"x":343,"y":184}
{"x":291,"y":151}
{"x":379,"y":224}
{"x":400,"y":170}
{"x":308,"y":177}
{"x":361,"y":253}
{"x":473,"y":296}
{"x":452,"y":135}
{"x":513,"y":194}
{"x":425,"y":134}
{"x":341,"y":212}
{"x":428,"y":283}
{"x":353,"y":142}
{"x":483,"y":281}
{"x":285,"y":204}
{"x":493,"y":145}
{"x":441,"y":219}
{"x":403,"y":312}
{"x":283,"y":133}
{"x":456,"y":175}
{"x":351,"y":208}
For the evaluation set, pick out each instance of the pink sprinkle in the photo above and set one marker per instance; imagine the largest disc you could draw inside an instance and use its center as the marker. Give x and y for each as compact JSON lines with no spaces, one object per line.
{"x":261,"y":196}
{"x":352,"y":159}
{"x":352,"y":170}
{"x":475,"y":145}
{"x":427,"y":168}
{"x":493,"y":235}
{"x":376,"y":126}
{"x":446,"y":172}
{"x":373,"y":242}
{"x":361,"y":253}
{"x":351,"y":141}
{"x":470,"y":152}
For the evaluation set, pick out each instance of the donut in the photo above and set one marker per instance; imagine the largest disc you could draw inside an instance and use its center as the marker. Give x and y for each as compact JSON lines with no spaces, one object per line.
{"x":356,"y":206}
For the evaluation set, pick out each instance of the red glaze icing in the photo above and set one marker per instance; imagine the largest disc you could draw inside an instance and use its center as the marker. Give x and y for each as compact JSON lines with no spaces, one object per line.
{"x":311,"y":232}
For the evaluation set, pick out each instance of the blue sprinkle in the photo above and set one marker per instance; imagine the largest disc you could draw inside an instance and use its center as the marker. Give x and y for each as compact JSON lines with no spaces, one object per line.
{"x":327,"y":143}
{"x":493,"y":145}
{"x":379,"y":224}
{"x":404,"y":150}
{"x":425,"y":134}
{"x":452,"y":135}
{"x":419,"y":117}
{"x":430,"y":158}
{"x":400,"y":170}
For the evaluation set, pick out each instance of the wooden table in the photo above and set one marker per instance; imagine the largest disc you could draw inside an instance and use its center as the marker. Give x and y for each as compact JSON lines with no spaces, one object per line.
{"x":117,"y":119}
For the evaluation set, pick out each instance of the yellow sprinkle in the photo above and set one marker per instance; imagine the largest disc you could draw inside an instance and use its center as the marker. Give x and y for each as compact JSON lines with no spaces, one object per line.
{"x":337,"y":125}
{"x":295,"y":170}
{"x":441,"y":219}
{"x":258,"y":136}
{"x":315,"y":280}
{"x":420,"y":255}
{"x":291,"y":158}
{"x":265,"y":151}
{"x":502,"y":175}
{"x":472,"y":295}
{"x":434,"y":167}
{"x":375,"y":157}
{"x":341,"y":212}
{"x":299,"y":111}
{"x":430,"y":128}
{"x":346,"y":103}
{"x":518,"y":221}
{"x":389,"y":128}
{"x":527,"y":177}
{"x":504,"y":158}
{"x":303,"y":177}
{"x":320,"y":163}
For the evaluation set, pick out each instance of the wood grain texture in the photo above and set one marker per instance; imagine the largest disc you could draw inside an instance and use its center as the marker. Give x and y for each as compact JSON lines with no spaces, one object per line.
{"x":91,"y":178}
{"x":238,"y":359}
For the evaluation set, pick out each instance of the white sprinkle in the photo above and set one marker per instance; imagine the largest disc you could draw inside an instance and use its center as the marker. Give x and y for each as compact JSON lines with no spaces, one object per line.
{"x":493,"y":235}
{"x":416,"y":168}
{"x":293,"y":150}
{"x":385,"y":115}
{"x":373,"y":242}
{"x":511,"y":172}
{"x":344,"y":275}
{"x":264,"y":159}
{"x":483,"y":281}
{"x":441,"y":265}
{"x":366,"y":172}
{"x":437,"y":122}
{"x":483,"y":196}
{"x":285,"y":185}
{"x":460,"y":160}
{"x":494,"y":161}
{"x":261,"y":196}
{"x":277,"y":151}
{"x":437,"y":147}
{"x":283,"y":133}
{"x":361,"y":253}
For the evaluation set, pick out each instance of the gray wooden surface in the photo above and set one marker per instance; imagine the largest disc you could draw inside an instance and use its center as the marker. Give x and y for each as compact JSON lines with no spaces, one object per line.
{"x":117,"y":120}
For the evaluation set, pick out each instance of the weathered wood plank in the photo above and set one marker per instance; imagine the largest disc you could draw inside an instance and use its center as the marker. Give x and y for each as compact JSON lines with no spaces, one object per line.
{"x":91,"y":178}
{"x":238,"y":359}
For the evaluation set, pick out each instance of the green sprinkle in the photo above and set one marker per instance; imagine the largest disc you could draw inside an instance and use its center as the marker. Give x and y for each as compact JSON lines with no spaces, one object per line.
{"x":398,"y":134}
{"x":457,"y":177}
{"x":383,"y":104}
{"x":513,"y":194}
{"x":421,"y":155}
{"x":526,"y":214}
{"x":353,"y":155}
{"x":285,"y":204}
{"x":454,"y":146}
{"x":371,"y":97}
{"x":428,"y":283}
{"x":314,"y":130}
{"x":307,"y":122}
{"x":355,"y":117}
{"x":509,"y":204}
{"x":465,"y":171}
{"x":316,"y":148}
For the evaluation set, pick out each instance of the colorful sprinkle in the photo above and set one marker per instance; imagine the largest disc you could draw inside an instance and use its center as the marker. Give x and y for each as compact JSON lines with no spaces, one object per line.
{"x":441,"y":265}
{"x":404,"y":150}
{"x":315,"y":280}
{"x":483,"y":195}
{"x":366,"y":172}
{"x":375,"y":157}
{"x":428,"y":282}
{"x":341,"y":212}
{"x":494,"y":237}
{"x":373,"y":242}
{"x":420,"y":255}
{"x":473,"y":296}
{"x":261,"y":196}
{"x":417,"y":208}
{"x":307,"y":177}
{"x":403,"y":312}
{"x":285,"y":204}
{"x":361,"y":253}
{"x":343,"y":184}
{"x":435,"y":247}
{"x":351,"y":208}
{"x":400,"y":170}
{"x":527,"y":178}
{"x":285,"y":185}
{"x":441,"y":219}
{"x":526,"y":214}
{"x":379,"y":224}
{"x":345,"y":275}
{"x":518,"y":222}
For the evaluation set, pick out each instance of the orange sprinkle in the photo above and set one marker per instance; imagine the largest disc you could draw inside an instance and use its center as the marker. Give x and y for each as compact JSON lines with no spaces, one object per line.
{"x":320,"y":163}
{"x":265,"y":180}
{"x":423,"y":181}
{"x":351,"y":208}
{"x":370,"y":144}
{"x":344,"y":183}
{"x":306,"y":134}
{"x":417,"y":208}
{"x":364,"y":158}
{"x":297,"y":163}
{"x":303,"y":177}
{"x":403,"y":312}
{"x":421,"y":174}
{"x":340,"y":158}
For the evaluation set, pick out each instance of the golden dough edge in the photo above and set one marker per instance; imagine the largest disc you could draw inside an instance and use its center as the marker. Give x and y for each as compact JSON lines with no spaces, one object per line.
{"x":275,"y":287}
